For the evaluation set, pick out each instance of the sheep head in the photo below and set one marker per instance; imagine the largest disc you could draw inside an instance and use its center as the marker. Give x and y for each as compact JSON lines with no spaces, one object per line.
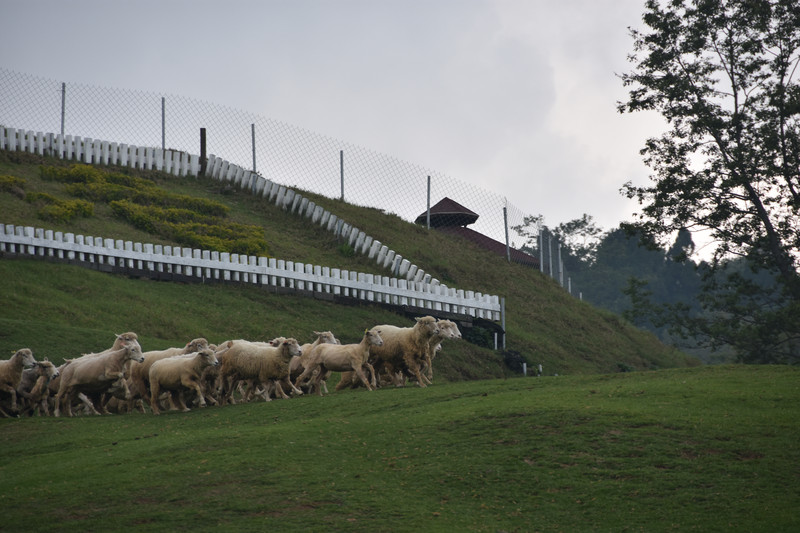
{"x":429,"y":324}
{"x":373,"y":337}
{"x":195,"y":345}
{"x":27,"y":357}
{"x":291,"y":348}
{"x":326,"y":337}
{"x":209,"y":358}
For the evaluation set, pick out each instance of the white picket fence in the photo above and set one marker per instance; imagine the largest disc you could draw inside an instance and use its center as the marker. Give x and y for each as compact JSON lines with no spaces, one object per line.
{"x":408,"y":286}
{"x":212,"y":266}
{"x":93,"y":151}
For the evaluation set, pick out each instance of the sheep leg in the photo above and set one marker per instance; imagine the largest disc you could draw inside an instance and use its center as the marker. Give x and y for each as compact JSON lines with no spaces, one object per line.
{"x":316,"y":385}
{"x":413,"y":367}
{"x":181,"y":400}
{"x":374,"y":380}
{"x":429,"y":369}
{"x":195,"y":385}
{"x":279,"y":392}
{"x":360,"y":373}
{"x":88,"y":404}
{"x":13,"y":392}
{"x":154,"y":394}
{"x":307,"y":372}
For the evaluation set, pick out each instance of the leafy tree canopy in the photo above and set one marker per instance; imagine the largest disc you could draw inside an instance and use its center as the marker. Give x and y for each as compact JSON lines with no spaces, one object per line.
{"x":724,"y":75}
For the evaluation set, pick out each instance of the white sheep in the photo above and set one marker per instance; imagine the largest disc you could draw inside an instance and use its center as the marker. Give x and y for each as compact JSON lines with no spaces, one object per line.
{"x":260,"y":362}
{"x":139,"y":378}
{"x":96,"y":372}
{"x":404,"y":349}
{"x":299,"y":363}
{"x":34,"y":387}
{"x":325,"y":358}
{"x":11,"y":373}
{"x":176,"y":373}
{"x":447,"y":330}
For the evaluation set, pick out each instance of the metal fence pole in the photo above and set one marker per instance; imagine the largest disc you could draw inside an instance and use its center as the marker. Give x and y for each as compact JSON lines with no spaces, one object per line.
{"x":503,"y":319}
{"x":253,"y":136}
{"x":541,"y":250}
{"x":505,"y":225}
{"x":341,"y":171}
{"x":63,"y":105}
{"x":163,"y":124}
{"x":428,"y":216}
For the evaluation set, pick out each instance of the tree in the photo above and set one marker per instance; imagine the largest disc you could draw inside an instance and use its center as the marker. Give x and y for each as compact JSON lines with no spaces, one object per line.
{"x":723,"y":74}
{"x":581,"y":237}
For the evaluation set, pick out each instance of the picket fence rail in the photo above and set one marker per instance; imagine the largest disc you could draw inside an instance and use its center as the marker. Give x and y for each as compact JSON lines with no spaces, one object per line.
{"x":213,"y":266}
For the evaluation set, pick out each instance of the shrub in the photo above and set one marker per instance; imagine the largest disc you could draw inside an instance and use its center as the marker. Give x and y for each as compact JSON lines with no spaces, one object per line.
{"x":11,"y":183}
{"x":58,"y":210}
{"x":189,"y":221}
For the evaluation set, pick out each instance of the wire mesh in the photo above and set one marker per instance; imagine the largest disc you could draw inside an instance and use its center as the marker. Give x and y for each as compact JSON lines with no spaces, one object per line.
{"x":284,"y":153}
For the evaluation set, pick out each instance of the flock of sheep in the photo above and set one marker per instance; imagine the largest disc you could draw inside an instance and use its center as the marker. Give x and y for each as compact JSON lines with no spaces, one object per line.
{"x":123,"y":378}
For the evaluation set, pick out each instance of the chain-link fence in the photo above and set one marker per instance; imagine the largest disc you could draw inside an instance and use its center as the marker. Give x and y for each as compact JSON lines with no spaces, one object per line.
{"x":283,"y":153}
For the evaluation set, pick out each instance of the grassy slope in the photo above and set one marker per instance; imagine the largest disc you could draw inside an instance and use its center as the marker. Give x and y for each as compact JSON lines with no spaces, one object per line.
{"x":544,"y":324}
{"x":706,"y":449}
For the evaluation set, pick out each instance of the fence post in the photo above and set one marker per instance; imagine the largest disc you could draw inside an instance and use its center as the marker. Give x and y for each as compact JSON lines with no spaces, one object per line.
{"x":503,"y":319}
{"x":63,"y":105}
{"x":505,"y":225}
{"x":541,"y":250}
{"x":163,"y":124}
{"x":341,"y":171}
{"x":560,"y":266}
{"x":428,"y":216}
{"x":253,"y":135}
{"x":203,"y":158}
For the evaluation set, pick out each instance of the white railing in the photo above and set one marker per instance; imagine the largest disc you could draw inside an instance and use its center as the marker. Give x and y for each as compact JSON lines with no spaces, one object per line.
{"x":212,"y":266}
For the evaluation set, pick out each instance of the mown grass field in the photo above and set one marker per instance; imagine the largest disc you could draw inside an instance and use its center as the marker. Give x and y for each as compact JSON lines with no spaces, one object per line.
{"x":701,"y":449}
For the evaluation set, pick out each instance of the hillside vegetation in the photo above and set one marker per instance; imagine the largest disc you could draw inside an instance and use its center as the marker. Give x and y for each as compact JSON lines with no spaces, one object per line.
{"x":59,"y":309}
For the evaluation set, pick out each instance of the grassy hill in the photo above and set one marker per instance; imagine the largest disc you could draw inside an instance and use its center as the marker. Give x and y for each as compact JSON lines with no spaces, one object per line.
{"x":700,"y":449}
{"x":59,"y":309}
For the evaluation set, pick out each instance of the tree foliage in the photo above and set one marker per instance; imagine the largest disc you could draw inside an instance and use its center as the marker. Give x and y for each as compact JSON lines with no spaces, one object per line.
{"x":724,"y":75}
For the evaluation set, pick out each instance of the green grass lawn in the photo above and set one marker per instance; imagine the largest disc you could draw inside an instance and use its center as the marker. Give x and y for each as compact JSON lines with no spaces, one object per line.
{"x":701,"y":449}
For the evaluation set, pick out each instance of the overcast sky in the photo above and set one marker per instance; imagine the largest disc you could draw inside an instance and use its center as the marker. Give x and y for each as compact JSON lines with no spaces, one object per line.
{"x":514,"y":96}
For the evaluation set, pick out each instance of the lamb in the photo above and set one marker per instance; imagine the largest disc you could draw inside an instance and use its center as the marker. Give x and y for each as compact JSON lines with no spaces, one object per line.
{"x":447,"y":330}
{"x":96,"y":372}
{"x":343,"y":358}
{"x":11,"y":373}
{"x":299,"y":363}
{"x":260,"y":362}
{"x":404,"y":349}
{"x":177,"y":373}
{"x":139,"y":380}
{"x":34,"y":387}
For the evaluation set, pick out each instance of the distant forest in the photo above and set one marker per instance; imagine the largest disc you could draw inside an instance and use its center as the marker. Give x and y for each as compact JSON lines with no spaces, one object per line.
{"x":650,"y":286}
